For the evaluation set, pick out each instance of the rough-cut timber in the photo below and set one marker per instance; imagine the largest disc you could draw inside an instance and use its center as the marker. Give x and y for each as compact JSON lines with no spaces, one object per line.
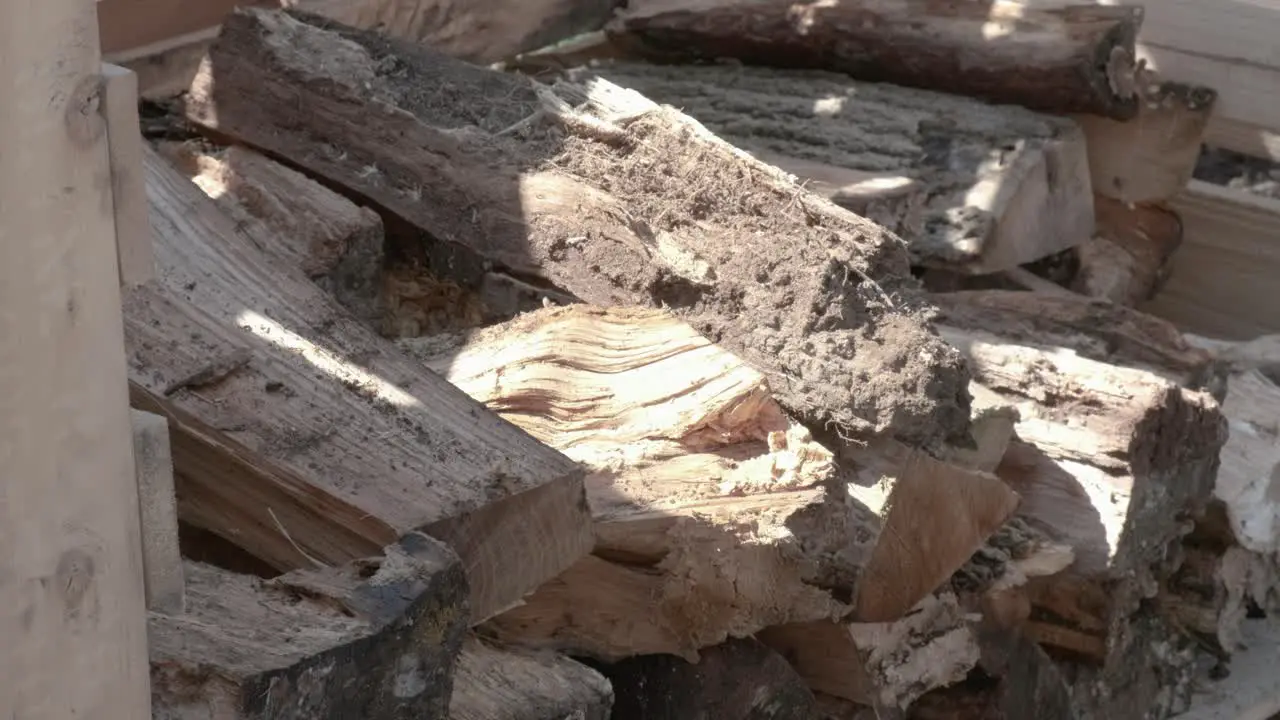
{"x":371,"y":638}
{"x":885,"y":665}
{"x":1073,"y":59}
{"x":492,"y":682}
{"x":735,"y":680}
{"x":1149,"y":158}
{"x":157,"y":506}
{"x":622,"y":203}
{"x":737,"y":517}
{"x":302,"y":436}
{"x":1128,"y":260}
{"x":1114,"y":462}
{"x":337,"y":244}
{"x":1001,"y":186}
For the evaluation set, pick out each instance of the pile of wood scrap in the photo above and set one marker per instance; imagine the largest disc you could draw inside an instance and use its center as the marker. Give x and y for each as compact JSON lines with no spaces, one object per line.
{"x":542,"y":398}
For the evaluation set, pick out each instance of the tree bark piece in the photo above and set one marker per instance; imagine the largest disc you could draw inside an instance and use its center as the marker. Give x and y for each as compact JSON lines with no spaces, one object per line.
{"x":674,"y":217}
{"x":1076,"y":59}
{"x":735,"y":680}
{"x":371,"y":638}
{"x":695,"y":473}
{"x":1150,"y":157}
{"x":337,"y":244}
{"x":286,"y":446}
{"x":1128,"y":260}
{"x":491,"y":682}
{"x":886,"y":665}
{"x":1001,"y":185}
{"x":1114,"y":462}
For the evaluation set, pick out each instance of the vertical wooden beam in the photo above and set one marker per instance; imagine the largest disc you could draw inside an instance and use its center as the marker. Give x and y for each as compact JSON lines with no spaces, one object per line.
{"x":128,"y":188}
{"x":165,"y":580}
{"x":72,"y":618}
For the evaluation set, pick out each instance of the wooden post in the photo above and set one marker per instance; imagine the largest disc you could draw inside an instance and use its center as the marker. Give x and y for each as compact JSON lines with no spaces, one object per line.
{"x":72,"y":614}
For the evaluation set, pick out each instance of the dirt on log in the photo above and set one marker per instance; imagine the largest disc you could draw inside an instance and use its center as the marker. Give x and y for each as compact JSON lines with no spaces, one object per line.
{"x":1057,"y":60}
{"x":618,"y":202}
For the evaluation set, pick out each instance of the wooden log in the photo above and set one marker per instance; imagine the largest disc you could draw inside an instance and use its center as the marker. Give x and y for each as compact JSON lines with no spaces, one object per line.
{"x":71,"y":576}
{"x":1034,"y":687}
{"x":303,"y":437}
{"x":1114,"y":462}
{"x":696,"y":234}
{"x":493,"y":682}
{"x":727,"y":514}
{"x":664,"y":686}
{"x":1001,"y":186}
{"x":371,"y":638}
{"x":1150,"y":157}
{"x":1074,"y":59}
{"x":337,"y":244}
{"x":157,"y":505}
{"x":885,"y":665}
{"x":1129,"y":260}
{"x":480,"y":31}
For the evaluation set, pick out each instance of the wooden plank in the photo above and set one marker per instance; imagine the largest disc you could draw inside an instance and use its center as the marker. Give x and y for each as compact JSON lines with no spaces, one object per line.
{"x":166,"y":68}
{"x":1223,"y":281}
{"x":127,"y":24}
{"x":161,"y":556}
{"x":128,"y":191}
{"x":73,"y":617}
{"x":301,"y":435}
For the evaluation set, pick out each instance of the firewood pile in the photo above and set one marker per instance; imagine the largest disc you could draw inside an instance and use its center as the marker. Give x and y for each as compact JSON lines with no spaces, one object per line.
{"x":640,"y":378}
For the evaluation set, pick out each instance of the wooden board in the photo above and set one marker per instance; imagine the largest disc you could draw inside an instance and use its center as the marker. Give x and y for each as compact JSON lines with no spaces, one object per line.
{"x":128,"y":192}
{"x":1223,"y":281}
{"x":302,"y":436}
{"x":999,"y":186}
{"x":128,"y":24}
{"x":71,"y":580}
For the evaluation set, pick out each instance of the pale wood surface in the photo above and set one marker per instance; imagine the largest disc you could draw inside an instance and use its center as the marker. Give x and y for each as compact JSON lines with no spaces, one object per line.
{"x":1223,"y":281}
{"x":1250,"y":692}
{"x":128,"y":190}
{"x":161,"y":556}
{"x":72,"y":610}
{"x":300,"y":434}
{"x":494,"y":682}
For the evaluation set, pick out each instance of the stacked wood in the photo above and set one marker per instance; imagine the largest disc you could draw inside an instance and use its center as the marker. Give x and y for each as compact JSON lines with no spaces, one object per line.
{"x":670,"y":215}
{"x":971,"y":187}
{"x":304,"y":438}
{"x":374,"y":637}
{"x":1061,"y":60}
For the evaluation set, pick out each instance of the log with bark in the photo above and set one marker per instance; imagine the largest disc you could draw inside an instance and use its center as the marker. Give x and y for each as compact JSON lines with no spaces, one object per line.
{"x":1128,"y":260}
{"x":716,"y":515}
{"x":620,"y":202}
{"x":376,"y":637}
{"x":303,"y":437}
{"x":495,"y":682}
{"x":971,"y":187}
{"x":1115,"y":461}
{"x":1070,"y":59}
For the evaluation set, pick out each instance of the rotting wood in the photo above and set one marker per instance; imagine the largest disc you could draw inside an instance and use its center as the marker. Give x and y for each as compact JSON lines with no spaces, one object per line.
{"x":1129,"y":260}
{"x":711,"y":488}
{"x":885,"y":665}
{"x":1115,"y":462}
{"x":1072,"y":59}
{"x":663,"y":686}
{"x":1001,"y":186}
{"x":372,"y":638}
{"x":157,"y":505}
{"x":480,"y":31}
{"x":493,"y":682}
{"x":128,"y":191}
{"x":1149,"y":158}
{"x":299,"y":454}
{"x":337,"y":244}
{"x":832,"y":305}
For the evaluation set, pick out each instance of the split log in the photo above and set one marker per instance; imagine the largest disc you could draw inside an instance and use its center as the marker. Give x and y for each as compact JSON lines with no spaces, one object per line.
{"x":738,"y":679}
{"x":1033,"y":688}
{"x":337,"y":244}
{"x":302,"y":437}
{"x":1000,"y":185}
{"x":1149,"y":158}
{"x":492,"y":682}
{"x":371,"y":638}
{"x":1073,"y":59}
{"x":1128,"y":260}
{"x":1114,"y":462}
{"x":728,"y":516}
{"x":885,"y":665}
{"x":673,"y":216}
